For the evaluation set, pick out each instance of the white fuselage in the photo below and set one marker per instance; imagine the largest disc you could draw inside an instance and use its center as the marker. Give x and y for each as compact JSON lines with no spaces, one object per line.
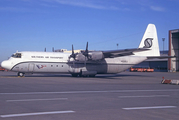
{"x":56,"y":62}
{"x":86,"y":63}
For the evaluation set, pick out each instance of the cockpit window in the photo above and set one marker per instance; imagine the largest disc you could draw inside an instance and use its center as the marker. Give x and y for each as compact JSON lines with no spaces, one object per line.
{"x":16,"y":55}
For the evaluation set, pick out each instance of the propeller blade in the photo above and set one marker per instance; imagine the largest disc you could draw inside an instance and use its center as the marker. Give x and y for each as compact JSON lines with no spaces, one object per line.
{"x":72,"y":50}
{"x":85,"y":53}
{"x":87,"y":47}
{"x":73,"y":55}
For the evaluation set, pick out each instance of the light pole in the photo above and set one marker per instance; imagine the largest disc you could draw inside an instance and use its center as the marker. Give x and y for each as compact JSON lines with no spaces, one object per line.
{"x":163,"y":39}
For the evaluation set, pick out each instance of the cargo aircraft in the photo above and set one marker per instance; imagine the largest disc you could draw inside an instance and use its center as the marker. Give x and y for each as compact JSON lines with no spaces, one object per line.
{"x":86,"y":62}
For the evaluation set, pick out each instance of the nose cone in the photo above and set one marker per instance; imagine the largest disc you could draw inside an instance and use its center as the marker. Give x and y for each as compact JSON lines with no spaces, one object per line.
{"x":6,"y":64}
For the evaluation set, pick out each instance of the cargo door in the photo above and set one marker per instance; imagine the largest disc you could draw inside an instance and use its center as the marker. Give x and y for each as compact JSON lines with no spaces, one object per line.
{"x":31,"y":67}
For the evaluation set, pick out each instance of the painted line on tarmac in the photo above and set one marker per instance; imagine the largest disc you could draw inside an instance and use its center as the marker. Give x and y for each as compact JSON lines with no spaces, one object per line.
{"x":38,"y":113}
{"x":144,"y":108}
{"x":82,"y":92}
{"x":144,"y":96}
{"x":29,"y":100}
{"x":11,"y":77}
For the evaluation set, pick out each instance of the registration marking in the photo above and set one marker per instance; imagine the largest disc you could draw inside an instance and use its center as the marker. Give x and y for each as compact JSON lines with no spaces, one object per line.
{"x":38,"y":113}
{"x":26,"y":100}
{"x":154,"y":107}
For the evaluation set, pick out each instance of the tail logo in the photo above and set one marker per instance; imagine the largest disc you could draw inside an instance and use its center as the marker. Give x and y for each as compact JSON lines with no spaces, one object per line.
{"x":148,"y":43}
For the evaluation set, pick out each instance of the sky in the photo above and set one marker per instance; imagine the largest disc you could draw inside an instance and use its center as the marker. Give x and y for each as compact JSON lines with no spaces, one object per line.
{"x":33,"y":25}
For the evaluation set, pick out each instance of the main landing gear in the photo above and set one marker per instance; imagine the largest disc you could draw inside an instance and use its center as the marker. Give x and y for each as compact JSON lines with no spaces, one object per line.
{"x":20,"y":74}
{"x":84,"y":74}
{"x":80,"y":75}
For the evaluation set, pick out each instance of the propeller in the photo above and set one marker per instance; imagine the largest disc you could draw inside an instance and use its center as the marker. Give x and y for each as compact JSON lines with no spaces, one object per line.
{"x":73,"y":55}
{"x":85,"y":53}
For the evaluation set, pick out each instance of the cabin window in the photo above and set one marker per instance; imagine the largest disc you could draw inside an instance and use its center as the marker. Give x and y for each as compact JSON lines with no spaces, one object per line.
{"x":16,"y":55}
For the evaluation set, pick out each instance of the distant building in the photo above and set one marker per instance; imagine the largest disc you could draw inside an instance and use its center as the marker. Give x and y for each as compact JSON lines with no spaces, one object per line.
{"x":60,"y":50}
{"x":67,"y":51}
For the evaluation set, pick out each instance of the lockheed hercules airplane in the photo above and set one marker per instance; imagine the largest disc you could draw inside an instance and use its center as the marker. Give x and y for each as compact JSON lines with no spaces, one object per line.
{"x":86,"y":62}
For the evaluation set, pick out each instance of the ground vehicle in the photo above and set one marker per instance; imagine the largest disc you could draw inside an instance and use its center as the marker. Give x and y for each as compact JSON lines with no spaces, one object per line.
{"x":2,"y":69}
{"x":141,"y":70}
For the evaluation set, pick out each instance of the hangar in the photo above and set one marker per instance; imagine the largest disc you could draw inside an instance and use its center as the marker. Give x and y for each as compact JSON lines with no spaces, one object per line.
{"x":173,"y":63}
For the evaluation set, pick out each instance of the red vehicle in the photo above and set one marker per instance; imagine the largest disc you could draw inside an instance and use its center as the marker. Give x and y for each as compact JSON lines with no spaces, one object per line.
{"x":2,"y":69}
{"x":141,"y":70}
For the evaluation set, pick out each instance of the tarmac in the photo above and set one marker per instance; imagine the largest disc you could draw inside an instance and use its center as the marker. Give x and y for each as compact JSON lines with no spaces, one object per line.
{"x":123,"y":96}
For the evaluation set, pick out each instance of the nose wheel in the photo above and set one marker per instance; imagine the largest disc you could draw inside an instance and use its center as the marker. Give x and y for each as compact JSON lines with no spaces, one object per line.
{"x":20,"y":74}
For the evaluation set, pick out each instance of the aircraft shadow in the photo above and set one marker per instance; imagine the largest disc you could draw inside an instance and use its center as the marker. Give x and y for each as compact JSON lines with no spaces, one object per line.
{"x":107,"y":76}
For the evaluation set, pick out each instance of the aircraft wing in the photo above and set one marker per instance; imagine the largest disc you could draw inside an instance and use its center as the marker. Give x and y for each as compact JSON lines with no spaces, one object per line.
{"x":119,"y":53}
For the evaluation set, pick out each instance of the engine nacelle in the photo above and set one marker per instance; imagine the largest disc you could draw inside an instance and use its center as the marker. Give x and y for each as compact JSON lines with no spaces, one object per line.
{"x":80,"y":57}
{"x":96,"y":55}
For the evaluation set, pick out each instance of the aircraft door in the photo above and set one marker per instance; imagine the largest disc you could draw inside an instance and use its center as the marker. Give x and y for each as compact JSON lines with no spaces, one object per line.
{"x":31,"y":67}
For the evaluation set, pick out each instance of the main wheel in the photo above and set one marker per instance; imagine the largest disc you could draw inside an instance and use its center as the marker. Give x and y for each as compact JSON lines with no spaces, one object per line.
{"x":92,"y":75}
{"x":20,"y":74}
{"x":74,"y":75}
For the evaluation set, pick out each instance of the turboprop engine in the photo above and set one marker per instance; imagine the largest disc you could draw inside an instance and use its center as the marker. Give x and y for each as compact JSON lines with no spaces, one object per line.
{"x":94,"y":56}
{"x":80,"y":57}
{"x":86,"y":55}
